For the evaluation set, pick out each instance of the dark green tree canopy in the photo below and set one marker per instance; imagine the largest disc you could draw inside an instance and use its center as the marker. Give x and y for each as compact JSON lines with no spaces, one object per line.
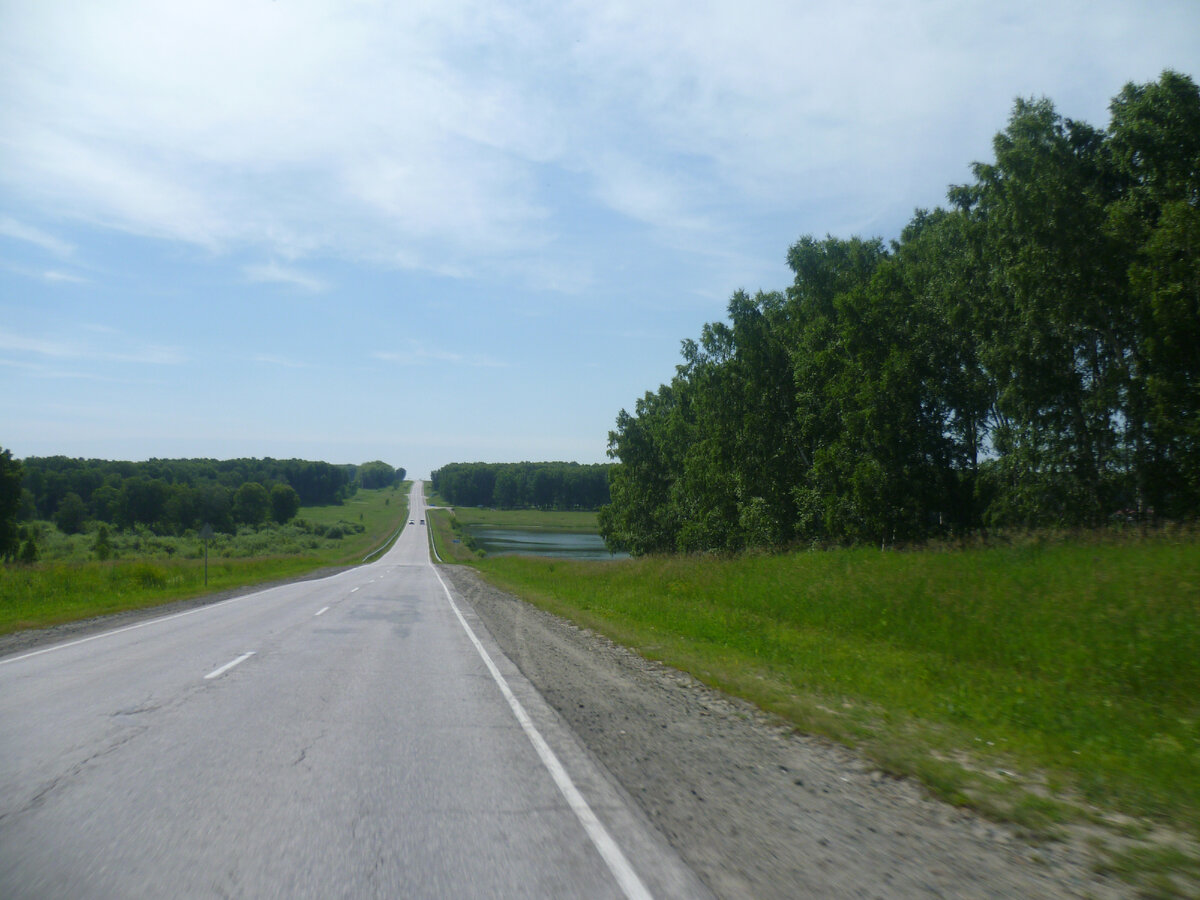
{"x":171,"y":495}
{"x":1027,"y":357}
{"x":548,"y":485}
{"x":251,"y":504}
{"x":285,"y":503}
{"x":378,"y":474}
{"x":10,"y":504}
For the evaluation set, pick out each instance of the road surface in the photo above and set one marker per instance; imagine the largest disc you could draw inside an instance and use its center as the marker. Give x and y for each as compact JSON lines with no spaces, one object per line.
{"x":355,"y":736}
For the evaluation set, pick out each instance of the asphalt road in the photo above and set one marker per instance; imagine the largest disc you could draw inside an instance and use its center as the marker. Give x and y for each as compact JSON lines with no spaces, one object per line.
{"x":355,"y":736}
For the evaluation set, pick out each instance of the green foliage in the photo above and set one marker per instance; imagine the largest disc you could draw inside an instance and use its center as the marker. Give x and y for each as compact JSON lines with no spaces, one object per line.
{"x":285,"y":503}
{"x":10,"y":504}
{"x":102,"y":546}
{"x":172,"y":496}
{"x":251,"y":504}
{"x":549,"y":485}
{"x":1026,"y":358}
{"x":378,"y":474}
{"x":71,"y":514}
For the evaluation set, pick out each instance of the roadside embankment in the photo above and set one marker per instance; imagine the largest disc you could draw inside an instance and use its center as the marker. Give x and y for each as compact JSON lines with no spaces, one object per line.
{"x":1049,"y":686}
{"x":754,"y":808}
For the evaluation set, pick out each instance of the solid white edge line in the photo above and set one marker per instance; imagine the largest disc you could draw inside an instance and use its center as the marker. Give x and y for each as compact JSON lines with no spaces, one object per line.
{"x":229,"y":665}
{"x":321,"y":610}
{"x":607,"y":847}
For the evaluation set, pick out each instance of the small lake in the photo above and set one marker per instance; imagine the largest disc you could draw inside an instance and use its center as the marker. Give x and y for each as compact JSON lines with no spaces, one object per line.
{"x":522,"y":542}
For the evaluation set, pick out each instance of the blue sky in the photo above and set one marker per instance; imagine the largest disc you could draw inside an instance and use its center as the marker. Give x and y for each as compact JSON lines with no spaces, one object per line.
{"x":442,"y":231}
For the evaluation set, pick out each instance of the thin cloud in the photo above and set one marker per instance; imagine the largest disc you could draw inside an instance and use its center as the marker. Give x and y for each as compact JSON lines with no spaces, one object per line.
{"x":10,"y":227}
{"x":273,"y":272}
{"x":421,"y":355}
{"x":67,"y":277}
{"x":283,"y":362}
{"x":447,"y":129}
{"x":40,"y":370}
{"x":132,"y":351}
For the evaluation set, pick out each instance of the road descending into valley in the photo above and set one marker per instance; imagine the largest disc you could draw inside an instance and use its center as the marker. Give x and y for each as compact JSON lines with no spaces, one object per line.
{"x":359,"y":735}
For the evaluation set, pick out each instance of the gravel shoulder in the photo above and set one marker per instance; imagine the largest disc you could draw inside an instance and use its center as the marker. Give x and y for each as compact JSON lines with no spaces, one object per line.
{"x":754,"y":808}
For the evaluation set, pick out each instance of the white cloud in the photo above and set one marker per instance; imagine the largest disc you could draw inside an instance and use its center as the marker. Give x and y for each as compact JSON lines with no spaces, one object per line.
{"x":274,"y":272}
{"x":118,"y":348}
{"x":420,"y":354}
{"x":10,"y":227}
{"x":291,"y":126}
{"x":435,"y":135}
{"x":281,"y":361}
{"x":67,"y":277}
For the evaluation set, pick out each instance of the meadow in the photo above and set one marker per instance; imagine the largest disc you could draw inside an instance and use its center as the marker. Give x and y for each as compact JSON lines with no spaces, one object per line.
{"x":549,"y":520}
{"x":69,"y":582}
{"x":1041,"y":681}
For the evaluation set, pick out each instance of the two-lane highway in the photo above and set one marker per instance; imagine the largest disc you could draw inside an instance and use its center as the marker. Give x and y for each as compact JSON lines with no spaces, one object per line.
{"x":354,"y":736}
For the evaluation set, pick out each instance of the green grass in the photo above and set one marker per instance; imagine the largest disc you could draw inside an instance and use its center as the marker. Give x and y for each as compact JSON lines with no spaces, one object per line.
{"x":49,"y":594}
{"x":450,"y":541}
{"x":69,"y":584}
{"x":1027,"y":681}
{"x":447,"y":524}
{"x":531,"y":519}
{"x":381,"y":511}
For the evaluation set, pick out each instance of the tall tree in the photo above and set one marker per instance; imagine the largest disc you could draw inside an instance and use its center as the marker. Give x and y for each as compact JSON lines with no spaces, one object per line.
{"x":285,"y":503}
{"x":1155,"y":148}
{"x":10,"y":503}
{"x":251,"y":504}
{"x":1056,"y":337}
{"x":71,"y":514}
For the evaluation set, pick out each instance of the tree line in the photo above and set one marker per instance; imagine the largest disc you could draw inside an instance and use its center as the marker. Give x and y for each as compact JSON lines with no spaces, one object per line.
{"x":524,"y":485}
{"x":171,"y":496}
{"x":1028,"y":356}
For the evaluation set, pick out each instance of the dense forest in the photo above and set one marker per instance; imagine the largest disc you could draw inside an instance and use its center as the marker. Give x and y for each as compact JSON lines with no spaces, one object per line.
{"x":525,"y":485}
{"x":171,"y":496}
{"x":1027,"y":357}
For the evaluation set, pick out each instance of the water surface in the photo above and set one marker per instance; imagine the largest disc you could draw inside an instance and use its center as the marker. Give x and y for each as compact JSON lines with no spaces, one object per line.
{"x":527,"y":542}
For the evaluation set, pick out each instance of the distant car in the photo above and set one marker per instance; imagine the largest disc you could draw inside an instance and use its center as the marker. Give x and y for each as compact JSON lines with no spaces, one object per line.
{"x":422,"y":521}
{"x":410,"y":521}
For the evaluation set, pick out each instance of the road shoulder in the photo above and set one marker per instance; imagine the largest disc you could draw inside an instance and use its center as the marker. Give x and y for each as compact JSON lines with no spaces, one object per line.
{"x":755,"y":809}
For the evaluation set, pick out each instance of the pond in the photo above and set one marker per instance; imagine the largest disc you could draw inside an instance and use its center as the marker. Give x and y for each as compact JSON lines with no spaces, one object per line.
{"x":522,"y":542}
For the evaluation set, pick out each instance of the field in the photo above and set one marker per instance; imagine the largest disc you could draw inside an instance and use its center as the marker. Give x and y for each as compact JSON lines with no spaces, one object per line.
{"x":550,"y":520}
{"x":1039,"y":682}
{"x":69,"y":583}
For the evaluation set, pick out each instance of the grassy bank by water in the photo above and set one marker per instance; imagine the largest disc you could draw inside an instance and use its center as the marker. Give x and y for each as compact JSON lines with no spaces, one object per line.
{"x":69,"y":583}
{"x":533,"y":519}
{"x":453,"y":543}
{"x":1029,"y":681}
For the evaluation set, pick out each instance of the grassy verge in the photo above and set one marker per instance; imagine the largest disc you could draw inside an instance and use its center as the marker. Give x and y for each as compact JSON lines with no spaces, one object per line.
{"x":44,"y":595}
{"x":1040,"y":684}
{"x":148,"y":570}
{"x":450,"y":541}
